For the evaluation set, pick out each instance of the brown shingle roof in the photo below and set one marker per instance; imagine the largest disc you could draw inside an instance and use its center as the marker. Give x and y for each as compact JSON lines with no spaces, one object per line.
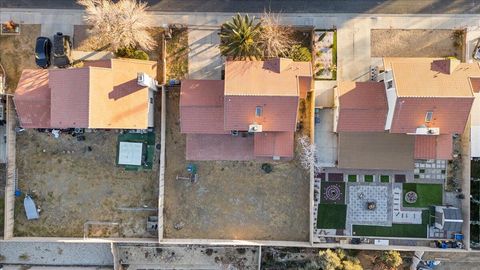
{"x":279,"y":112}
{"x":449,"y":114}
{"x":32,"y":99}
{"x":375,"y":150}
{"x":201,"y":107}
{"x":275,"y":77}
{"x":363,"y":107}
{"x":69,"y":97}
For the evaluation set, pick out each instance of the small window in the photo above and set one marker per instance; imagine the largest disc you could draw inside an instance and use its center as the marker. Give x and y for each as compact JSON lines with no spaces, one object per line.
{"x":389,"y":84}
{"x":151,"y":100}
{"x":258,"y":111}
{"x":428,"y":117}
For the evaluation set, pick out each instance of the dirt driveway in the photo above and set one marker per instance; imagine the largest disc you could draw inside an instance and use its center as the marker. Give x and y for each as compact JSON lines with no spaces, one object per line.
{"x":232,"y":199}
{"x":73,"y":185}
{"x":414,"y":43}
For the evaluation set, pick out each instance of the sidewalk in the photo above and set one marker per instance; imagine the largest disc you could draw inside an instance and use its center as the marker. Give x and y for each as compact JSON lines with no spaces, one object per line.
{"x":60,"y":253}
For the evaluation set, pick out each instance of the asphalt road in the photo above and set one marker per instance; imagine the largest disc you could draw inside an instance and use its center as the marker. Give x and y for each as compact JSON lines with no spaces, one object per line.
{"x":287,"y":6}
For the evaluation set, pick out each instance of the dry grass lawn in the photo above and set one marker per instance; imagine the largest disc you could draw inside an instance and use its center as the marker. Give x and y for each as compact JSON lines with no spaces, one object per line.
{"x":414,"y":43}
{"x":17,"y":53}
{"x":232,"y":199}
{"x":72,"y":185}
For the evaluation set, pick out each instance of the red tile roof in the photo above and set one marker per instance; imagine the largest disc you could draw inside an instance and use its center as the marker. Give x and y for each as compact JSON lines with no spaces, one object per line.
{"x":201,"y":107}
{"x":93,"y":97}
{"x":279,"y":113}
{"x":475,"y":83}
{"x":268,"y":144}
{"x":433,"y":147}
{"x":363,"y":107}
{"x":69,"y":97}
{"x":32,"y":99}
{"x":444,"y":146}
{"x":274,"y":77}
{"x":450,"y":114}
{"x":219,"y":147}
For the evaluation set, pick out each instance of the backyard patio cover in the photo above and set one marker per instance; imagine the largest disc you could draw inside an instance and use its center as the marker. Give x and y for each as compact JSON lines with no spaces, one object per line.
{"x":375,"y":150}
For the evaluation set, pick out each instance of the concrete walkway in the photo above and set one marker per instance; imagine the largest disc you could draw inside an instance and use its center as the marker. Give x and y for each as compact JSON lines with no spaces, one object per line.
{"x":204,"y":59}
{"x":56,"y":253}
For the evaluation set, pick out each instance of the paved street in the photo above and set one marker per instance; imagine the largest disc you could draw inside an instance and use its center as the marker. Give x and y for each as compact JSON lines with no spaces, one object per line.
{"x":285,"y":6}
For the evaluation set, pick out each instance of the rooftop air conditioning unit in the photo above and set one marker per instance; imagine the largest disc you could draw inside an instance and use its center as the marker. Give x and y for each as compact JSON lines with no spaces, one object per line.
{"x":427,"y":131}
{"x":255,"y":128}
{"x":144,"y":79}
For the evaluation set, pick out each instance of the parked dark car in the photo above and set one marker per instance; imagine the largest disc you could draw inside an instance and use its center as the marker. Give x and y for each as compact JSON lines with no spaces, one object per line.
{"x":43,"y":47}
{"x":62,"y":47}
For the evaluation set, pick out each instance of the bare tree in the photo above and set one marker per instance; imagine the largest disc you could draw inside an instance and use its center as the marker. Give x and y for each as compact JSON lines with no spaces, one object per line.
{"x":275,"y":39}
{"x":119,"y":25}
{"x":306,"y":151}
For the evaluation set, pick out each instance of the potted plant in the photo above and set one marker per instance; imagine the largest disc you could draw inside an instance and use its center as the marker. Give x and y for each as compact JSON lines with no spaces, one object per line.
{"x":10,"y":27}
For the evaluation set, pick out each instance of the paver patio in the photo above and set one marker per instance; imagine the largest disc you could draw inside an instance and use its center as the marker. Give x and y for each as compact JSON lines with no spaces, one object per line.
{"x":359,"y":194}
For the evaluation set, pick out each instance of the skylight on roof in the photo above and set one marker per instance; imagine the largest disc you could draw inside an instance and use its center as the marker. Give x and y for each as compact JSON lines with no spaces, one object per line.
{"x":428,"y":117}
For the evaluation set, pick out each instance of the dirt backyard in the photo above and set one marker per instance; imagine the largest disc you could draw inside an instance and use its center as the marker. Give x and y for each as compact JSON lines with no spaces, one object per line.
{"x":232,"y":199}
{"x":417,"y":43}
{"x":17,"y":53}
{"x":74,"y":182}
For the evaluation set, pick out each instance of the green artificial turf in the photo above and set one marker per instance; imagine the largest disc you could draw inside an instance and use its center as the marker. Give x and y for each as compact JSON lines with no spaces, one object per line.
{"x":352,"y":178}
{"x":384,"y":178}
{"x":331,"y":216}
{"x":368,"y":178}
{"x":148,"y":139}
{"x":428,"y":194}
{"x":396,"y":230}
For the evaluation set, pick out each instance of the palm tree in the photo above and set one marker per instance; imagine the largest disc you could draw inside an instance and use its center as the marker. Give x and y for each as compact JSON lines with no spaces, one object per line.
{"x":240,"y":38}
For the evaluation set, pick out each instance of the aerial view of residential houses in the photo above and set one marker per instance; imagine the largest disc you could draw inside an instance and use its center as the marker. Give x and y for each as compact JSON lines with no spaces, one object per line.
{"x":245,"y":136}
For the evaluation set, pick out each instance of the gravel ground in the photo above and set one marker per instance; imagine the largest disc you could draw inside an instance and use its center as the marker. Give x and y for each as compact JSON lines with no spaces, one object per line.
{"x":44,"y":253}
{"x":414,"y":43}
{"x":188,"y":257}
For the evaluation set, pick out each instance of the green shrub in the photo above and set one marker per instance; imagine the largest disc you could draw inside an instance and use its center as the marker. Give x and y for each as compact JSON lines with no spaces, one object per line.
{"x":129,"y":52}
{"x":299,"y":54}
{"x":458,"y":38}
{"x":139,"y":54}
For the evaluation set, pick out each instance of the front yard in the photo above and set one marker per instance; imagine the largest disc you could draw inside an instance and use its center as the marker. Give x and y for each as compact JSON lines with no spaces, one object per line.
{"x":232,"y":199}
{"x":417,"y":43}
{"x":17,"y":53}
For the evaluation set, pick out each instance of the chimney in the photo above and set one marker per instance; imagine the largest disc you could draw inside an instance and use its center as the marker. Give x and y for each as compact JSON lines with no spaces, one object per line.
{"x":452,"y":64}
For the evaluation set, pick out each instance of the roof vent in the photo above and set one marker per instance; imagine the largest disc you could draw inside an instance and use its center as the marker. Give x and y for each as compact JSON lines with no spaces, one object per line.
{"x":423,"y":130}
{"x":144,"y":80}
{"x":255,"y":128}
